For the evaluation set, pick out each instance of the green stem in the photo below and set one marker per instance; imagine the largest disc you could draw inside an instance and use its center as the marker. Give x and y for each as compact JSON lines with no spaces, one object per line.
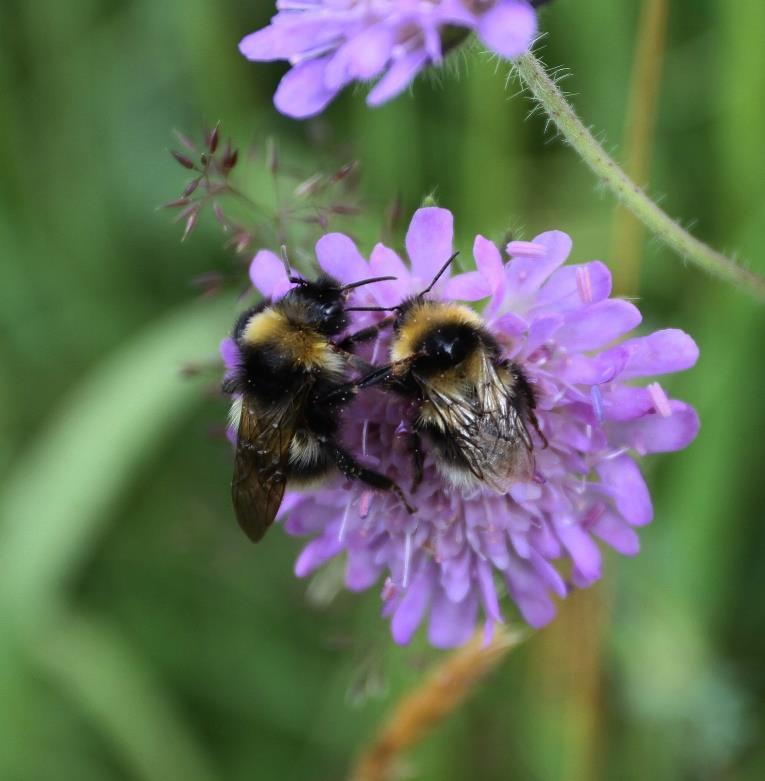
{"x":533,"y":74}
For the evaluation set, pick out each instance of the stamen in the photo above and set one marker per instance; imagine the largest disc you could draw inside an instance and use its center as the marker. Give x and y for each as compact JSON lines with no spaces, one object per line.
{"x":584,"y":284}
{"x":389,"y":590}
{"x":597,"y":403}
{"x":364,"y":432}
{"x":407,"y":558}
{"x":364,"y":503}
{"x":316,"y":52}
{"x":660,"y":401}
{"x":344,"y":523}
{"x":525,"y":249}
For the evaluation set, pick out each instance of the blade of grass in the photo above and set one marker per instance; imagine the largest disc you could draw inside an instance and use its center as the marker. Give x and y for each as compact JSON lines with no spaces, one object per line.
{"x":639,"y":133}
{"x":112,"y":687}
{"x":59,"y":495}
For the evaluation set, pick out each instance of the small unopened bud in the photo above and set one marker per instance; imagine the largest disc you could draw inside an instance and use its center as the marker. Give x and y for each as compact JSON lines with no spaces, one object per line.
{"x":190,"y":187}
{"x":213,"y":138}
{"x":176,"y":204}
{"x":191,"y":221}
{"x":344,"y":209}
{"x":230,"y":158}
{"x":219,"y":214}
{"x":182,"y":159}
{"x":344,"y":172}
{"x":309,"y":187}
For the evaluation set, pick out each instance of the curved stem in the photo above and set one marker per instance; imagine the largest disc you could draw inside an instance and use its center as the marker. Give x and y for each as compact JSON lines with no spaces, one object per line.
{"x":543,"y":88}
{"x":440,"y":694}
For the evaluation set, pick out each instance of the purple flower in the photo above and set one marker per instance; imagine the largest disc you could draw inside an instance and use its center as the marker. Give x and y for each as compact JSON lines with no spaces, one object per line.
{"x":458,"y":553}
{"x":331,"y":43}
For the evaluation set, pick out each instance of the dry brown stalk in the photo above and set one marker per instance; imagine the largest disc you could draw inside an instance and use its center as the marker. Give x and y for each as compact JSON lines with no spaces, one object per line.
{"x":440,"y":694}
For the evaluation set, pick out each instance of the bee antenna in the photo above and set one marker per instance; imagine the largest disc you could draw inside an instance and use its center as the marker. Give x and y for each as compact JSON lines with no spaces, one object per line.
{"x":372,"y":308}
{"x":287,"y":269}
{"x":440,"y":274}
{"x":367,"y":282}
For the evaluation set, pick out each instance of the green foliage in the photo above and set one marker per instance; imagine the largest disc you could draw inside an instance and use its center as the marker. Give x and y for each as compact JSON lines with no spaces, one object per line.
{"x":142,"y":636}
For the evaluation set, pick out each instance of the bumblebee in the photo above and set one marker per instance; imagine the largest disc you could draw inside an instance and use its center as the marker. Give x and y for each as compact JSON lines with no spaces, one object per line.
{"x":289,"y":390}
{"x":473,"y":406}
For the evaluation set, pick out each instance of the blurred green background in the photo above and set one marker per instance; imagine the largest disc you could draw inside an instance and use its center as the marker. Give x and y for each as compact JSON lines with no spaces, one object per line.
{"x":142,"y":636}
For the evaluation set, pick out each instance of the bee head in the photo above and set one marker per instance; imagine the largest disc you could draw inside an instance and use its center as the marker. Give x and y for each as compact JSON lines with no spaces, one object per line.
{"x":321,"y":305}
{"x":446,"y":346}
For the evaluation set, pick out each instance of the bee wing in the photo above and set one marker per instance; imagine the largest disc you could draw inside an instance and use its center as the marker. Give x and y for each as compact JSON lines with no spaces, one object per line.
{"x":261,"y":461}
{"x":488,"y":429}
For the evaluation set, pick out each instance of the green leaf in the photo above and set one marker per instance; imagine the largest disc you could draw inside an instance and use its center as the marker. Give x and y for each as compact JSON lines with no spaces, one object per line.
{"x":58,"y":498}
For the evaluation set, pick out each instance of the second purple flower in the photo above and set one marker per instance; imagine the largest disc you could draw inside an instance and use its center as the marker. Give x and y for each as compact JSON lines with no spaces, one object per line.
{"x":332,"y":43}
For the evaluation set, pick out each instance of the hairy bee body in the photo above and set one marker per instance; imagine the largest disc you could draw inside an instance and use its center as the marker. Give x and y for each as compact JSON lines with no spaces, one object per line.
{"x":472,"y":405}
{"x":289,"y":390}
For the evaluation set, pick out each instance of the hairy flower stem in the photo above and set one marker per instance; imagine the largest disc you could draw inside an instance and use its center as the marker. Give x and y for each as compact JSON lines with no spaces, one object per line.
{"x":440,"y":694}
{"x":543,"y":88}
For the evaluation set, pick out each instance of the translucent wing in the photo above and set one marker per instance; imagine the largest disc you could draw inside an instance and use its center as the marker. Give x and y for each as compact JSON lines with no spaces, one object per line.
{"x":485,"y":422}
{"x":261,"y":461}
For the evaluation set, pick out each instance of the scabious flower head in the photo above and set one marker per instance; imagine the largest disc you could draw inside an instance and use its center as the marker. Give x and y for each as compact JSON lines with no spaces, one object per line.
{"x":331,"y":43}
{"x":458,"y":553}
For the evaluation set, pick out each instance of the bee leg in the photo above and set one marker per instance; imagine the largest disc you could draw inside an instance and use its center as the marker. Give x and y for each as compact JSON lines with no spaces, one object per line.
{"x":418,"y":458}
{"x":535,"y":423}
{"x":346,"y":391}
{"x":353,"y":470}
{"x":527,"y":394}
{"x":365,"y":334}
{"x":387,"y":376}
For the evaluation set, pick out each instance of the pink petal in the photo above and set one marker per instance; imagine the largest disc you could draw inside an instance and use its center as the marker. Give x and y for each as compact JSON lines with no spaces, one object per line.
{"x":624,"y":483}
{"x":626,"y":402}
{"x":526,"y":274}
{"x":661,"y":352}
{"x":280,"y":41}
{"x":411,"y":609}
{"x":384,"y":262}
{"x":488,"y":591}
{"x":510,"y":324}
{"x":362,"y":57}
{"x":616,"y":533}
{"x":529,"y":593}
{"x":593,"y":370}
{"x":268,"y":275}
{"x":549,"y":574}
{"x":542,"y":330}
{"x":302,"y":91}
{"x":339,"y":257}
{"x":398,"y":77}
{"x":452,"y":623}
{"x":657,"y":434}
{"x":361,"y":571}
{"x":429,"y":242}
{"x":489,"y":263}
{"x":316,"y":553}
{"x":470,"y":286}
{"x":229,"y":352}
{"x":508,"y":28}
{"x":455,"y":576}
{"x":565,"y":290}
{"x":594,"y":326}
{"x":583,"y":551}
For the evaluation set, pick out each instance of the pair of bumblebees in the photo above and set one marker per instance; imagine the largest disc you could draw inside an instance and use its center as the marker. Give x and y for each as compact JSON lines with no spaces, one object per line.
{"x":292,"y":383}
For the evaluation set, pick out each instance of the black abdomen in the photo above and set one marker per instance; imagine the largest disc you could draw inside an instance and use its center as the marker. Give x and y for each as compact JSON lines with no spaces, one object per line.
{"x":268,"y":374}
